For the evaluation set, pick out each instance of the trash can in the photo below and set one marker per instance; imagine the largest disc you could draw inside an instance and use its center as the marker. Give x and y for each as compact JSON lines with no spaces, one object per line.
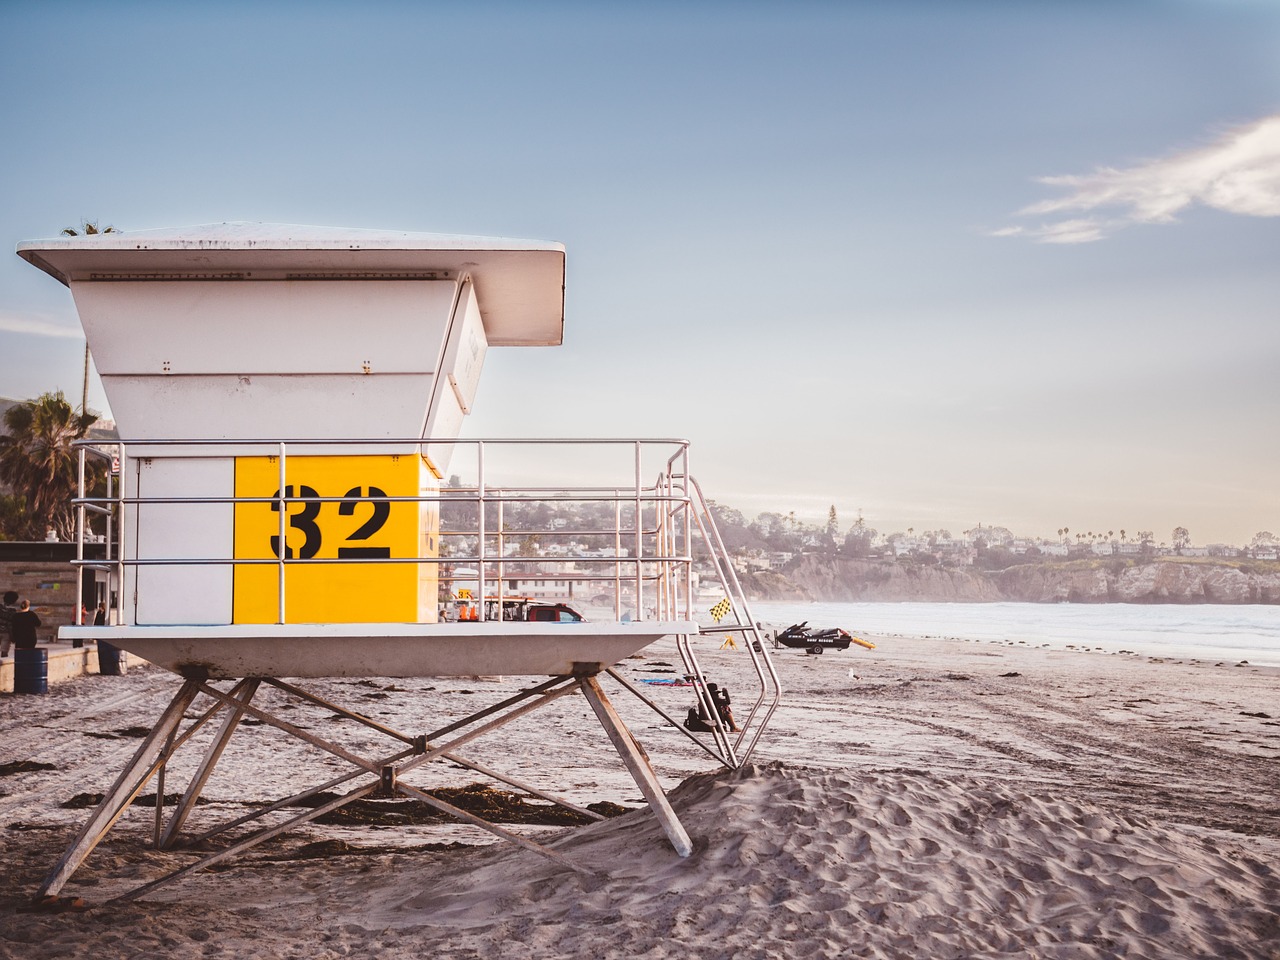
{"x":31,"y":671}
{"x":111,"y":660}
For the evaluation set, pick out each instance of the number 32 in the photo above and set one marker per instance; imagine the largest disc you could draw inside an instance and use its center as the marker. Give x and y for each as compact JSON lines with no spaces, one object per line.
{"x":305,"y":520}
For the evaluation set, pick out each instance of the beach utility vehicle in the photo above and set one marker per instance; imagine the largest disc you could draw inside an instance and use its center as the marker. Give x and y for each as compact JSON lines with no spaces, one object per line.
{"x":291,"y":496}
{"x":530,"y":611}
{"x":801,"y":636}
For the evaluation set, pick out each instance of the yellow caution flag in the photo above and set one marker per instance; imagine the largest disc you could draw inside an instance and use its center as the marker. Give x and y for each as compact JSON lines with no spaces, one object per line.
{"x":721,"y":609}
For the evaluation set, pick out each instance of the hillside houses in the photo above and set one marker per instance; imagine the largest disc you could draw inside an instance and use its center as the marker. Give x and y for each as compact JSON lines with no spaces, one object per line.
{"x":969,"y":549}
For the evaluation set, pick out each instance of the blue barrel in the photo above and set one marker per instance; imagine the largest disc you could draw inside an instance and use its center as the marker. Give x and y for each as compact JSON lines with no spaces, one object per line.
{"x":111,"y":660}
{"x":30,"y":671}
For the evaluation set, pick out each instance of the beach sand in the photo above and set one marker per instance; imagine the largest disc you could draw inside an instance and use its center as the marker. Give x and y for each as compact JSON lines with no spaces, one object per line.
{"x":930,"y":798}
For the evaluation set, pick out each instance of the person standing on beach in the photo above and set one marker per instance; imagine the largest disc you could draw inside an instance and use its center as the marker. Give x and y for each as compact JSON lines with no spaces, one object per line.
{"x":77,"y":643}
{"x":25,"y":622}
{"x":6,"y":621}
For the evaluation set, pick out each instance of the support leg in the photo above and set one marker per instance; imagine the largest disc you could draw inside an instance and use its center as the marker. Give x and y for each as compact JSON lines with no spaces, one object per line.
{"x":637,"y":763}
{"x":244,"y":693}
{"x":122,"y":793}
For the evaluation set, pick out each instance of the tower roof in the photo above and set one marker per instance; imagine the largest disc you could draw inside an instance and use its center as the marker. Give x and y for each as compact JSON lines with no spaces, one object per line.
{"x":519,"y":284}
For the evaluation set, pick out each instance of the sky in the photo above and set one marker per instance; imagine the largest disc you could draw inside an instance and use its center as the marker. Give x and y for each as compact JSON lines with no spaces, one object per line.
{"x":941,"y":263}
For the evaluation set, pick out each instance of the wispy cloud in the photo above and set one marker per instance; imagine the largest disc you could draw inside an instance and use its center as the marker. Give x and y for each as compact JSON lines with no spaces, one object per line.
{"x":39,"y":327}
{"x":1238,"y":173}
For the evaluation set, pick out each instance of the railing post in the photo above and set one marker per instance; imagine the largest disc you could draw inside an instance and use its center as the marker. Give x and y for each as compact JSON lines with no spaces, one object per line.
{"x":617,"y":555}
{"x":639,"y":540}
{"x":665,"y":545}
{"x":79,"y":620}
{"x":109,"y":533}
{"x":120,"y":563}
{"x":687,"y":510}
{"x":280,"y":554}
{"x":502,"y":552}
{"x":109,"y":523}
{"x":480,"y":527}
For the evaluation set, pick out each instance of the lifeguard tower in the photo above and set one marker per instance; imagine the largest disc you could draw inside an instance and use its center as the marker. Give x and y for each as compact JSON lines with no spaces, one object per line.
{"x":290,"y":401}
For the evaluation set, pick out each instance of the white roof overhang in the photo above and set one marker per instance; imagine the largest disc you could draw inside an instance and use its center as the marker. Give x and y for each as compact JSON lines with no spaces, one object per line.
{"x":519,"y":284}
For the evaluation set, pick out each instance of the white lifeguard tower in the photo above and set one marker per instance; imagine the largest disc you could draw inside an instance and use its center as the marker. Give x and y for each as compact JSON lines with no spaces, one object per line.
{"x":289,"y":401}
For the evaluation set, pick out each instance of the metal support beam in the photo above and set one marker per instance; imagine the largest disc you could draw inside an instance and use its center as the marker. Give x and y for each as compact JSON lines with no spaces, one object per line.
{"x":497,"y":831}
{"x":637,"y":763}
{"x":243,"y":691}
{"x":251,"y":841}
{"x":122,"y":793}
{"x":165,"y":738}
{"x":528,"y":788}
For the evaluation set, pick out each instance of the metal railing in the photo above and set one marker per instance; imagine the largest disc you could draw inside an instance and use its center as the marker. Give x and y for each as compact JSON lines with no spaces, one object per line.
{"x":498,"y":529}
{"x":627,"y":531}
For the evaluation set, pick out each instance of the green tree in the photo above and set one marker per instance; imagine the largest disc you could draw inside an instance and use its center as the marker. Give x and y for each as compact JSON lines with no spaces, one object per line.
{"x":858,"y":541}
{"x":1146,"y":540}
{"x":38,"y":463}
{"x":1181,"y":539}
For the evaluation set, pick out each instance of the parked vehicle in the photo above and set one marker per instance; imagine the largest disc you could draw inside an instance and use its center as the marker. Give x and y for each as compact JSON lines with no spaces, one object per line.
{"x":527,"y":610}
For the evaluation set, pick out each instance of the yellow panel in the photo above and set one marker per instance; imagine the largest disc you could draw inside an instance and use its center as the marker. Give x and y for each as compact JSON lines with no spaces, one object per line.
{"x":351,"y":527}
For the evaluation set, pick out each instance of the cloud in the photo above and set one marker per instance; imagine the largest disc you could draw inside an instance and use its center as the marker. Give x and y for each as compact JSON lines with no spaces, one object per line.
{"x":39,"y":327}
{"x":1239,"y":173}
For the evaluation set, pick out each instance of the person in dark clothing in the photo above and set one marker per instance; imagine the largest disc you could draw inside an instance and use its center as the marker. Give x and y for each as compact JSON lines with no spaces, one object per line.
{"x":25,"y":622}
{"x":6,"y":621}
{"x":697,"y":719}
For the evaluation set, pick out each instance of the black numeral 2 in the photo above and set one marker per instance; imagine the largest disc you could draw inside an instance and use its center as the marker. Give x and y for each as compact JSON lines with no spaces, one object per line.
{"x":381,"y":510}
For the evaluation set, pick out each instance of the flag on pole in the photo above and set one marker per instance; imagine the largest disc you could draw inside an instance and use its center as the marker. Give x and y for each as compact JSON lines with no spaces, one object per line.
{"x":721,"y":609}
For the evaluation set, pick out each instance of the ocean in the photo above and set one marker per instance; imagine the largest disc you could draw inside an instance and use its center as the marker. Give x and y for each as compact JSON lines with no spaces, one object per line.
{"x":1203,"y":631}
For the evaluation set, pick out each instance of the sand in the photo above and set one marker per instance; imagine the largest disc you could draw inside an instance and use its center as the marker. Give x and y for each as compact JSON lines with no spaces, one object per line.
{"x":931,"y":798}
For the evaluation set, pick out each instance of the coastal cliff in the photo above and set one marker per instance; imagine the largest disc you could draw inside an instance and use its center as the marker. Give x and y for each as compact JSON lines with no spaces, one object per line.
{"x":1162,"y":580}
{"x":1167,"y":580}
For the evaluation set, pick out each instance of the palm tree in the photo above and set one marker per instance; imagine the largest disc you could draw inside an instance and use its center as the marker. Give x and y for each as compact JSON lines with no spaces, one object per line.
{"x":89,"y":229}
{"x":37,"y":460}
